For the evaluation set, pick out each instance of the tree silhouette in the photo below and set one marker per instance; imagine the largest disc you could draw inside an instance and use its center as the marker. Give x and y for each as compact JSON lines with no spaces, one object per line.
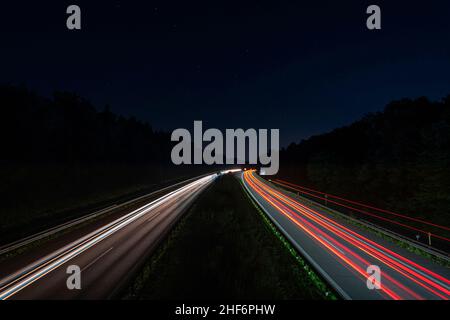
{"x":397,"y":159}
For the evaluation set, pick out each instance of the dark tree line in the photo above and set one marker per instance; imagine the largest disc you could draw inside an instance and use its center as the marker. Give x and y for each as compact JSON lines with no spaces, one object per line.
{"x":398,"y":159}
{"x":68,"y":129}
{"x":61,"y":154}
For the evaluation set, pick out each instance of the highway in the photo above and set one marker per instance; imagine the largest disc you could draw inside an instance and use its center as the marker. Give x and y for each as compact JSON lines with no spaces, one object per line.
{"x":341,"y":252}
{"x":107,"y":256}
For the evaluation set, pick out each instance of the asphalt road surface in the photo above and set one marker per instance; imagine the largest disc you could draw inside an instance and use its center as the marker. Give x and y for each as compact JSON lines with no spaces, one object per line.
{"x":107,"y":256}
{"x":342,"y":252}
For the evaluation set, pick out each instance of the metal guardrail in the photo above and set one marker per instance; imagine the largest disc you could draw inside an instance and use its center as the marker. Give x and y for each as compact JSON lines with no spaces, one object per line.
{"x":302,"y":251}
{"x":428,"y":249}
{"x":64,"y":226}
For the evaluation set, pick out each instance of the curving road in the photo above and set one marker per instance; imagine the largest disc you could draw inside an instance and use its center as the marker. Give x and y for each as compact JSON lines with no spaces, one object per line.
{"x":342,"y":252}
{"x":107,"y":256}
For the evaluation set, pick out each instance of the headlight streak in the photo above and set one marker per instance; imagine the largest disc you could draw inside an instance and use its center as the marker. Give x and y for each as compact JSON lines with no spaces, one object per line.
{"x":28,"y":275}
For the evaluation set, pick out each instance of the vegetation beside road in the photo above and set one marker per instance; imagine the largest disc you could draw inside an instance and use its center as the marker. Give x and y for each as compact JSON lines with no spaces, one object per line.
{"x":397,"y":159}
{"x":61,"y":157}
{"x":222,"y":249}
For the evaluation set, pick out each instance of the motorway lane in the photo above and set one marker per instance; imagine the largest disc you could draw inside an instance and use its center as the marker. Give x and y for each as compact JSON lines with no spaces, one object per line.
{"x":341,"y":252}
{"x":108,"y":256}
{"x":35,"y":251}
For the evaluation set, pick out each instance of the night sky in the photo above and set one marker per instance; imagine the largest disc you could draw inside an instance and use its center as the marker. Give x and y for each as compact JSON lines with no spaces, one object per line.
{"x":302,"y":68}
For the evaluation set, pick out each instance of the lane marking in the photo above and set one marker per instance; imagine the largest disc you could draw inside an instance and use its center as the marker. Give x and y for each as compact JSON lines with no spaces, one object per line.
{"x":96,"y":259}
{"x":74,"y":249}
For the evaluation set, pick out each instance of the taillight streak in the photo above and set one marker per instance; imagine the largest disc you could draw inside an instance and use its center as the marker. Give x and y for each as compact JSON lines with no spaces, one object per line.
{"x":360,"y":242}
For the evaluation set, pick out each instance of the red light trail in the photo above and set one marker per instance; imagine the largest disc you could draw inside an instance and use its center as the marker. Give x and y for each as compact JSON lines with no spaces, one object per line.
{"x":400,"y":276}
{"x":302,"y":189}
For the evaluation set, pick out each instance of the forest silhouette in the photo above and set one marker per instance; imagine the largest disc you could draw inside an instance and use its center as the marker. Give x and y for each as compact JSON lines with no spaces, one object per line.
{"x":60,"y":153}
{"x":397,"y":159}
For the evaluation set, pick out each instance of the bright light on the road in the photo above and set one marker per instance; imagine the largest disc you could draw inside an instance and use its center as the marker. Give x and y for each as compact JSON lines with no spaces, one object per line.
{"x":344,"y":246}
{"x":32,"y":273}
{"x":230,"y":171}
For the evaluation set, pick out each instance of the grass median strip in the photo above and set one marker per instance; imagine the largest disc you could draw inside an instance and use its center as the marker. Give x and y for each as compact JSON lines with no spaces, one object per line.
{"x":222,"y":249}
